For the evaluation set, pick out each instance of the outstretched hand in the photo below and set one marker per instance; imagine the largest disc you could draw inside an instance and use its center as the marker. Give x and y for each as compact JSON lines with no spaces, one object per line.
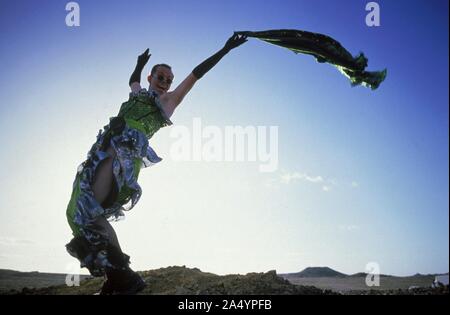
{"x":143,"y":58}
{"x":235,"y":41}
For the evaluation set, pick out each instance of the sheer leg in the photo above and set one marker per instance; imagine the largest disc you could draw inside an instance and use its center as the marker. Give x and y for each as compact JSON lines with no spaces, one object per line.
{"x":103,"y":182}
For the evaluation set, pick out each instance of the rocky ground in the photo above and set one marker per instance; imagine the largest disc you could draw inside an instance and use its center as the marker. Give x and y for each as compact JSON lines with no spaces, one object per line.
{"x":177,"y":280}
{"x":182,"y":280}
{"x":416,"y":291}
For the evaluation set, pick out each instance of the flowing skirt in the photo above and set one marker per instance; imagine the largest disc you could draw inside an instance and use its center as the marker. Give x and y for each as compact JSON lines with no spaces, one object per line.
{"x":133,"y":152}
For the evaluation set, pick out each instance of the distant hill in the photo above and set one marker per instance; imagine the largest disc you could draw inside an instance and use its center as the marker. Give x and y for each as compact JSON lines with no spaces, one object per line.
{"x":16,"y":280}
{"x":318,"y":272}
{"x":327,"y":278}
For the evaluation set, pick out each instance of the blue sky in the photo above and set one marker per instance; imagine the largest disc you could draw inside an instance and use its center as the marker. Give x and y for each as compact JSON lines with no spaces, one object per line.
{"x":382,"y":155}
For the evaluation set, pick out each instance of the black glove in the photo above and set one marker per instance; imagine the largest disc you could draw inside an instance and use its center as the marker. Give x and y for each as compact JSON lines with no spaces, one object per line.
{"x":143,"y":59}
{"x":141,"y":62}
{"x":233,"y":42}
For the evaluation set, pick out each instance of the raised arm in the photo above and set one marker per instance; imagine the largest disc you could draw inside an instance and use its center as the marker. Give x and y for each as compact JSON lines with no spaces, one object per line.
{"x":172,"y":99}
{"x":233,"y":42}
{"x":135,"y":79}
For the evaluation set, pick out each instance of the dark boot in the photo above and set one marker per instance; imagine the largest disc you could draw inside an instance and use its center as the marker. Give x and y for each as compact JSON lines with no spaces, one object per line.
{"x":120,"y":278}
{"x":123,"y":282}
{"x":107,"y":288}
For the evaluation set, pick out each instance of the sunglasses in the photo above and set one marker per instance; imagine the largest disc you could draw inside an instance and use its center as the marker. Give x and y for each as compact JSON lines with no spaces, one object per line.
{"x":161,"y":79}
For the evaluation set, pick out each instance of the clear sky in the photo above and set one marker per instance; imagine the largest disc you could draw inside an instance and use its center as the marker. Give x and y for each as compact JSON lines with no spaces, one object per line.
{"x":362,"y":176}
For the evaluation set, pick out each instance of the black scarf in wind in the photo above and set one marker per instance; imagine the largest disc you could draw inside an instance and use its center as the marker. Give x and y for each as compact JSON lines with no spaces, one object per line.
{"x":324,"y":49}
